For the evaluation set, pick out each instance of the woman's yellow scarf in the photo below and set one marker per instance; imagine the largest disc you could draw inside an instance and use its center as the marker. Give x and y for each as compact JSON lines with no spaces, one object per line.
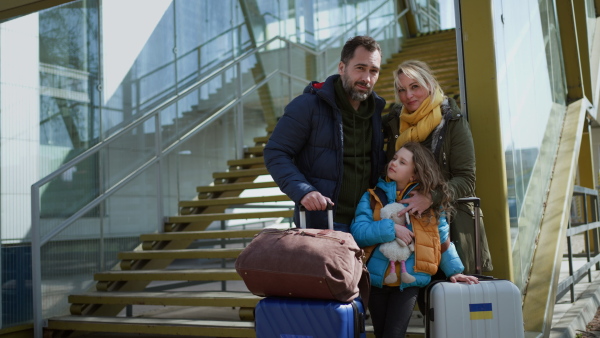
{"x":418,"y":125}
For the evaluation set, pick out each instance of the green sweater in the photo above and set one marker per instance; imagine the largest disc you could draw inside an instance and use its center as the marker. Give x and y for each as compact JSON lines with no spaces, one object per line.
{"x":357,"y":143}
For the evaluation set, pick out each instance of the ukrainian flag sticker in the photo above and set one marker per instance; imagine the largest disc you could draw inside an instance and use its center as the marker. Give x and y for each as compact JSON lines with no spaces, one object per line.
{"x":481,"y":311}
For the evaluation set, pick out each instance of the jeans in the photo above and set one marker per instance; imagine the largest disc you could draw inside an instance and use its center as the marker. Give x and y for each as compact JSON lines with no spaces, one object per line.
{"x":391,"y":309}
{"x":341,"y":227}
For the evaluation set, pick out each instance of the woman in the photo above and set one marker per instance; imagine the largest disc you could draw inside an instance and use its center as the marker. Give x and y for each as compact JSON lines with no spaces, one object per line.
{"x":425,"y":115}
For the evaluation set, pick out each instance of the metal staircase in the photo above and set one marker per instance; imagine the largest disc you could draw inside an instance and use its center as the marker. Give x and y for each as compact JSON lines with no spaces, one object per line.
{"x":146,"y":273}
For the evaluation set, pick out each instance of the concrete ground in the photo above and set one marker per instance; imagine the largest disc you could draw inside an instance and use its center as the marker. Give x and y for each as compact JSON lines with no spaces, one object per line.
{"x":571,"y":320}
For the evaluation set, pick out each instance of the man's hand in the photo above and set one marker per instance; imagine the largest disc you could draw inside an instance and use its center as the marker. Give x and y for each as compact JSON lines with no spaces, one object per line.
{"x":315,"y":201}
{"x":417,"y":204}
{"x":403,"y":233}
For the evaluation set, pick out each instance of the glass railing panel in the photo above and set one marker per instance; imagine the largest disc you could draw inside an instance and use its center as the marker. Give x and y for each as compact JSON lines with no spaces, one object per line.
{"x":294,"y":87}
{"x":193,"y":162}
{"x":427,"y":15}
{"x":69,"y":192}
{"x":298,"y":65}
{"x":258,"y":112}
{"x":68,"y":263}
{"x":127,"y":153}
{"x":133,"y":209}
{"x":138,"y":64}
{"x":283,"y":92}
{"x":91,"y":243}
{"x":199,"y":54}
{"x":169,"y":125}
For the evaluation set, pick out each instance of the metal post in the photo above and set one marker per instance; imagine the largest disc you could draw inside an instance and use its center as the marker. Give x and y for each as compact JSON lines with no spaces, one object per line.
{"x":595,"y":231}
{"x":570,"y":256}
{"x":289,"y":70}
{"x":239,"y":140}
{"x":223,"y":263}
{"x":36,"y":264}
{"x":587,"y":236}
{"x":159,"y":194}
{"x":461,"y":59}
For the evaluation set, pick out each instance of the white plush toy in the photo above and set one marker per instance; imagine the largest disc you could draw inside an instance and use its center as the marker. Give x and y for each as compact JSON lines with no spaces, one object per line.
{"x":396,"y":250}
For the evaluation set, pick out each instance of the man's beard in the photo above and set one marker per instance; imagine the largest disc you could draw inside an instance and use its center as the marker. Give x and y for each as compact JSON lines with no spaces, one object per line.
{"x":354,"y":93}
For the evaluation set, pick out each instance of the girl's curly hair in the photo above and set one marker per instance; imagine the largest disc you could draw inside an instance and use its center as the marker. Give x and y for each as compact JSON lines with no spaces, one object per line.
{"x":430,"y":177}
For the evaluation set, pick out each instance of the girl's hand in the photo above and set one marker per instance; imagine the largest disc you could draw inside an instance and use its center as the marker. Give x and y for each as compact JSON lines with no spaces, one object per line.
{"x":403,"y":233}
{"x":417,"y":203}
{"x":459,"y":277}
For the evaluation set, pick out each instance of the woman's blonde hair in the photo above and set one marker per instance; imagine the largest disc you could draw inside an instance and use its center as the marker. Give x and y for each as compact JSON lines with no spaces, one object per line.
{"x":416,"y":70}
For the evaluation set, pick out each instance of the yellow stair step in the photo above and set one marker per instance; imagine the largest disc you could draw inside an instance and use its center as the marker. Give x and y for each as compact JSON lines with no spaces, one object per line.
{"x":180,"y":254}
{"x":249,"y":161}
{"x":235,"y":186}
{"x":233,"y":201}
{"x":241,"y":173}
{"x":165,"y":298}
{"x":229,"y":216}
{"x":168,"y":275}
{"x":196,"y":235}
{"x":261,"y":139}
{"x":154,"y":326}
{"x":256,"y":150}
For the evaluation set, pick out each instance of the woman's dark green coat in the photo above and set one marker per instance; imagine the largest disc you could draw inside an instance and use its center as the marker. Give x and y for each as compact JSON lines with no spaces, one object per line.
{"x":452,"y":145}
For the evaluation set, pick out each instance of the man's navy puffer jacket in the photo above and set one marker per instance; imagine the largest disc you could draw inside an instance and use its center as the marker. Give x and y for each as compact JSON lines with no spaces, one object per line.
{"x":305,"y":150}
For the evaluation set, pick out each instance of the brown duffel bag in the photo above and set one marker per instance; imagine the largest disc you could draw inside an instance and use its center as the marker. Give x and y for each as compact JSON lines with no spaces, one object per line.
{"x":304,"y":263}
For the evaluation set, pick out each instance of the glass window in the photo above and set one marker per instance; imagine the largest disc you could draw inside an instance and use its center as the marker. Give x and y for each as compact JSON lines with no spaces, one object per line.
{"x":531,"y":85}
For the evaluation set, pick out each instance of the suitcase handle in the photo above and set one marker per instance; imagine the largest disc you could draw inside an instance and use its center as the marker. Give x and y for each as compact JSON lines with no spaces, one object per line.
{"x":477,"y":204}
{"x":329,"y":216}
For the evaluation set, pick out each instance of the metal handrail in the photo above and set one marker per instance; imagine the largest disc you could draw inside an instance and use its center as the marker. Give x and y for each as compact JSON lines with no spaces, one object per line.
{"x":568,"y":284}
{"x":418,"y":10}
{"x":345,"y":33}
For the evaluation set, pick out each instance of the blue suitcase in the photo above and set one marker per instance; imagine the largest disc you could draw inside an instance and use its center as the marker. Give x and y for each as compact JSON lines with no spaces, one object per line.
{"x":277,"y":317}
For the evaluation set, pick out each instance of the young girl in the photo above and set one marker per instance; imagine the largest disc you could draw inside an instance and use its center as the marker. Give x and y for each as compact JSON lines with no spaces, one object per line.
{"x":413,"y":168}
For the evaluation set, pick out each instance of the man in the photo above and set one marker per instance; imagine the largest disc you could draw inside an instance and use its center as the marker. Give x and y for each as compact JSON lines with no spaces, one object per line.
{"x":328,"y":145}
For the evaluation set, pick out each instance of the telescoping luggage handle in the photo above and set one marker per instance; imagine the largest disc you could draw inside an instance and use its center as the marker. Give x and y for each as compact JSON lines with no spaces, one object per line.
{"x":477,"y":204}
{"x":329,"y":216}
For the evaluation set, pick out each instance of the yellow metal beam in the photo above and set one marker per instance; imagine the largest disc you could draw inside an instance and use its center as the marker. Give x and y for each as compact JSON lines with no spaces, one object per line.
{"x":540,"y":293}
{"x":13,"y":8}
{"x":484,"y":118}
{"x":569,"y":43}
{"x":583,"y":47}
{"x":586,"y":169}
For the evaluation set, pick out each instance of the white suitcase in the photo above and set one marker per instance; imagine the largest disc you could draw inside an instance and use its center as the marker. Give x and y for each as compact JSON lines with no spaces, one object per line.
{"x":490,"y":309}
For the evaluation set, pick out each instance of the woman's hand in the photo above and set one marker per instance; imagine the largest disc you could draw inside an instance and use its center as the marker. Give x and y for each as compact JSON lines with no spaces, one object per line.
{"x":417,"y":203}
{"x":403,"y":233}
{"x":459,"y":277}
